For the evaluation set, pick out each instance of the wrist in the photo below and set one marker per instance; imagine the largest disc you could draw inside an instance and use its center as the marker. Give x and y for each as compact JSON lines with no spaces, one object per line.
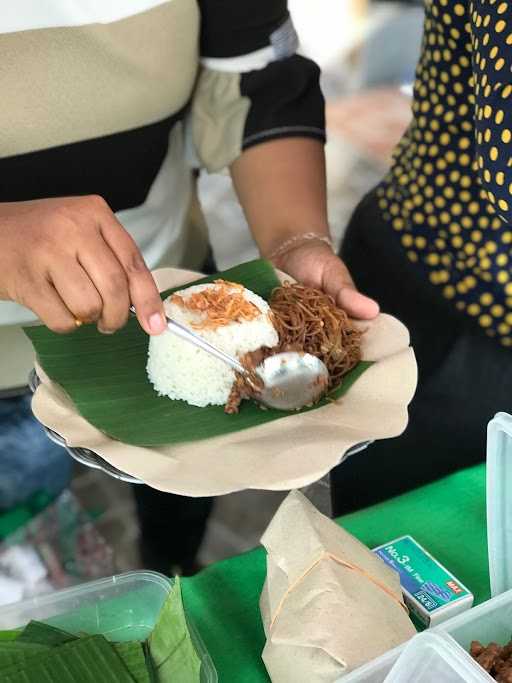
{"x":288,"y":247}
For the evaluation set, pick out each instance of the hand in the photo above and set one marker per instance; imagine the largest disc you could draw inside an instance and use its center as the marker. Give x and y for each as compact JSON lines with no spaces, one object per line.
{"x":70,"y":259}
{"x":314,"y":264}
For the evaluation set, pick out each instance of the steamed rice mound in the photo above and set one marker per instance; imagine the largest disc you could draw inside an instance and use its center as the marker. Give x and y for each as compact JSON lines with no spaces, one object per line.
{"x":181,"y":371}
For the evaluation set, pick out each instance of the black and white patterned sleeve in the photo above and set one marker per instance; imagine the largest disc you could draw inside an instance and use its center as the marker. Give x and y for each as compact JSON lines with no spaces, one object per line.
{"x":253,"y":86}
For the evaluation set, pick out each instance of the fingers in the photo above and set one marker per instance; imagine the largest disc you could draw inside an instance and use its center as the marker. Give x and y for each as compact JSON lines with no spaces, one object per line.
{"x":357,"y":305}
{"x":339,"y":284}
{"x":316,"y":265}
{"x":111,"y":285}
{"x":50,"y":309}
{"x":77,"y":292}
{"x":143,"y":291}
{"x":81,"y":264}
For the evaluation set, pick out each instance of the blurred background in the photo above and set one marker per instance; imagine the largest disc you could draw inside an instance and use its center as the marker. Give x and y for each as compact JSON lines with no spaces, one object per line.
{"x":367,"y":51}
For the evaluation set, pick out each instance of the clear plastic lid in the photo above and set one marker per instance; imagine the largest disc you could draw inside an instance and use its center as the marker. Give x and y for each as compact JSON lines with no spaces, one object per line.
{"x":123,"y":607}
{"x":499,"y":502}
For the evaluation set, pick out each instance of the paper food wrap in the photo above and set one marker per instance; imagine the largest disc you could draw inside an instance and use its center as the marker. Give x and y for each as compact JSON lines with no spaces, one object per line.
{"x":285,"y":454}
{"x":329,"y":604}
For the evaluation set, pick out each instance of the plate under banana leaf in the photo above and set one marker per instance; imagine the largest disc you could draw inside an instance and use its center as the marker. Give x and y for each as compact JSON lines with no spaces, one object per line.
{"x":95,"y":394}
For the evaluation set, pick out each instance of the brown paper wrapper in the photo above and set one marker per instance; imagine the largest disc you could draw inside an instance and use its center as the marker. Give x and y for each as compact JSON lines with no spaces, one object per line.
{"x":281,"y":455}
{"x":321,"y":617}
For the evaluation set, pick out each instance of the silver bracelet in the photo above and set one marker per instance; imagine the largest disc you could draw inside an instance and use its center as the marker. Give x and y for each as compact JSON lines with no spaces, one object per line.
{"x":295,"y":241}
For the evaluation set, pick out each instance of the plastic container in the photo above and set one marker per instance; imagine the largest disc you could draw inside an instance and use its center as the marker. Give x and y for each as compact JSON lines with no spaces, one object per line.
{"x":374,"y":671}
{"x":432,"y":657}
{"x":122,"y":608}
{"x":490,"y":621}
{"x":499,"y":502}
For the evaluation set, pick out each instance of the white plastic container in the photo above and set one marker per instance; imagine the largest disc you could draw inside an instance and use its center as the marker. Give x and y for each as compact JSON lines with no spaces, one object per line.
{"x":499,"y":502}
{"x":435,"y":658}
{"x":490,"y":621}
{"x":376,"y":670}
{"x":123,"y":607}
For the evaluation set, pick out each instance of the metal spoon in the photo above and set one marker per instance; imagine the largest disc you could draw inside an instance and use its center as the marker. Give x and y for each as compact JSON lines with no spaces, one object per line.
{"x":291,"y":380}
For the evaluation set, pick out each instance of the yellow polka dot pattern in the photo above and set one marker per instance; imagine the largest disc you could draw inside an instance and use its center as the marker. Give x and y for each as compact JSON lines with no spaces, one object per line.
{"x":449,"y":192}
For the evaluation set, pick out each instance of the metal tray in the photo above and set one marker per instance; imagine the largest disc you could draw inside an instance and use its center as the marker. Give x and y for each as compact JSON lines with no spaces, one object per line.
{"x":82,"y":455}
{"x":90,"y":459}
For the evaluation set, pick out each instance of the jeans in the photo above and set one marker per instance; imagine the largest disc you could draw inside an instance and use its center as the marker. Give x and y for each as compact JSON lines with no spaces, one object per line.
{"x":29,"y":461}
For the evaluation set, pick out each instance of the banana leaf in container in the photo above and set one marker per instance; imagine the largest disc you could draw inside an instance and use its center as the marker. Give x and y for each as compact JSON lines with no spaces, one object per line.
{"x":45,"y":653}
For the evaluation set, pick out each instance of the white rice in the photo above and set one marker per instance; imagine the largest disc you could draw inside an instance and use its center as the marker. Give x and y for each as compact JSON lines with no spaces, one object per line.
{"x":179,"y":370}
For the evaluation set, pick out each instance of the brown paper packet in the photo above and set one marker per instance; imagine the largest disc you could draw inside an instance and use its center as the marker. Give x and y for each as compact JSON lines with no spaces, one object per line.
{"x":281,"y":455}
{"x":322,"y":618}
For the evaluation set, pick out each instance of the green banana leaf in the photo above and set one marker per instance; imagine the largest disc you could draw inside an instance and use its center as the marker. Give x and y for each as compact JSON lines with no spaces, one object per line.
{"x":88,"y":660}
{"x":105,"y":376}
{"x":12,"y":652}
{"x":38,"y":633}
{"x":134,"y":658}
{"x":41,"y":634}
{"x":170,"y":645}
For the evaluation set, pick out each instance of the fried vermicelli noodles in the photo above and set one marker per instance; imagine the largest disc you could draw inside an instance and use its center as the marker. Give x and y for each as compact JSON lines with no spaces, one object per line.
{"x":307,"y":319}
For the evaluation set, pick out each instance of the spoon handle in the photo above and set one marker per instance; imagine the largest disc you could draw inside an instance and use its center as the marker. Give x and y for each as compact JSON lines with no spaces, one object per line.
{"x":186,"y":334}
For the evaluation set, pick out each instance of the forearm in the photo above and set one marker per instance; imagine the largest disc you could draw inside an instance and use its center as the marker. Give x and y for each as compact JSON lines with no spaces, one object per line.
{"x":282,"y":189}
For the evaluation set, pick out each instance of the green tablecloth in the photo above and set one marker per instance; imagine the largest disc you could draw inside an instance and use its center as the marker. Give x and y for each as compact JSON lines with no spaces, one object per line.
{"x":447,"y":517}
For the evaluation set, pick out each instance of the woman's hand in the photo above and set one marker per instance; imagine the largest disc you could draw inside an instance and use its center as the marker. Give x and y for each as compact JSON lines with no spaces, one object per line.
{"x":281,"y":186}
{"x":314,"y":264}
{"x":71,"y":260}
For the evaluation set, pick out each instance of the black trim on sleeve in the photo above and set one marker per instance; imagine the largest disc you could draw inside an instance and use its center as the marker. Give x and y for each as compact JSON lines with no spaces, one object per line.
{"x":286,"y":101}
{"x":230,"y":28}
{"x":119,"y":167}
